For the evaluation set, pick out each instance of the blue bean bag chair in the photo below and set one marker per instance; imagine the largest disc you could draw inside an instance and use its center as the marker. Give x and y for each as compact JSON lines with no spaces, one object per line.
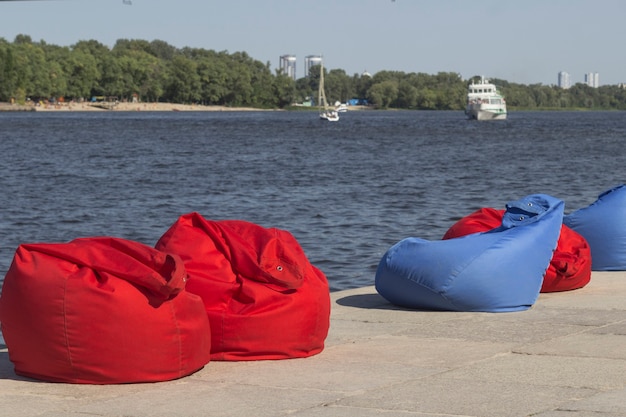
{"x":570,"y":267}
{"x":603,"y":224}
{"x":496,"y":271}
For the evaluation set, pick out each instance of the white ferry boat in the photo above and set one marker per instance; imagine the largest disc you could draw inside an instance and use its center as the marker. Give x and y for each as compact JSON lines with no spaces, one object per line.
{"x":484,"y":102}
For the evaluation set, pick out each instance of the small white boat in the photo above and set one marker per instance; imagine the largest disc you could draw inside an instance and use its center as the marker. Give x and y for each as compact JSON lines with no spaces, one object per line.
{"x":341,"y":107}
{"x":484,"y":102}
{"x":330,"y":115}
{"x":326,"y":113}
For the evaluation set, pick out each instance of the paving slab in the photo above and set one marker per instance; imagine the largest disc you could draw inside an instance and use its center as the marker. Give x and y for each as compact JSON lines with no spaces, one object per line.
{"x":565,"y":357}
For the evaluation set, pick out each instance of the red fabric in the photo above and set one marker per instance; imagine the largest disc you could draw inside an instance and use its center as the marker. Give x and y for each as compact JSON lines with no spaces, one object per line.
{"x":263,"y":297}
{"x":570,"y":267}
{"x":100,"y":311}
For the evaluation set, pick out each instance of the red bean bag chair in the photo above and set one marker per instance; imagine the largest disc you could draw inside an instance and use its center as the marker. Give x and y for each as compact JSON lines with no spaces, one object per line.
{"x":101,"y":311}
{"x":263,"y":297}
{"x":570,"y":267}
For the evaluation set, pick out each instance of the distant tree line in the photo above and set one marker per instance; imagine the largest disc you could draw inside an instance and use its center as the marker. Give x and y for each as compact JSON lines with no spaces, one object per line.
{"x":158,"y":72}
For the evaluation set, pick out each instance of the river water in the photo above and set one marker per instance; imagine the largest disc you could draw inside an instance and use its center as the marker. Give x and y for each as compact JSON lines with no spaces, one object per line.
{"x":347,"y":190}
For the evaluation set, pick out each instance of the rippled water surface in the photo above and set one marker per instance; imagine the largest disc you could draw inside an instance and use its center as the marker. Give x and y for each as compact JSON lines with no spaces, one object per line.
{"x":346,"y":190}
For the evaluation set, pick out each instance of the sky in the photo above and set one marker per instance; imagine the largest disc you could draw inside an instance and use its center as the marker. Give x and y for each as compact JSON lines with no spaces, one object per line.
{"x":520,"y":41}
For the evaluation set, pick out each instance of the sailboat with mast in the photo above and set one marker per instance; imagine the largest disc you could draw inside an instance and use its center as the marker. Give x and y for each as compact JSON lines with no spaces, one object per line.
{"x":326,"y":113}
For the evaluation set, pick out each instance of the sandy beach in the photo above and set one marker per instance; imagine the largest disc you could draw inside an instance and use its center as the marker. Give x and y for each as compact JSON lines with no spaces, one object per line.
{"x":125,"y":106}
{"x":101,"y":106}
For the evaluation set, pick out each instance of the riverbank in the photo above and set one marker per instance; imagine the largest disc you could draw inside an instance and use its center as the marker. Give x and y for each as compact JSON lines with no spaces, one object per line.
{"x":111,"y":106}
{"x":106,"y":106}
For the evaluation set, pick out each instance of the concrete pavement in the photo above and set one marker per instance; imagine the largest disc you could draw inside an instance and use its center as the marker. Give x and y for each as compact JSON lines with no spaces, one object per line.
{"x":565,"y":357}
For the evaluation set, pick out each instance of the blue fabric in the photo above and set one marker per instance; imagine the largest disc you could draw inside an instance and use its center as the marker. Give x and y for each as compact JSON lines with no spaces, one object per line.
{"x":495,"y":271}
{"x":603,"y":224}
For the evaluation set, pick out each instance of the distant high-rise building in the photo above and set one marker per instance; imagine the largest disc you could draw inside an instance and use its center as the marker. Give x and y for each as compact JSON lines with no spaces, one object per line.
{"x":288,"y":65}
{"x":564,"y":80}
{"x":592,"y":79}
{"x":311,"y":61}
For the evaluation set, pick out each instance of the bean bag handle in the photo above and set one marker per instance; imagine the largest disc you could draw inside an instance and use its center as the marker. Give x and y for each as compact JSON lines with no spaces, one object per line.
{"x":162,"y":274}
{"x":268,"y":256}
{"x":523,"y":211}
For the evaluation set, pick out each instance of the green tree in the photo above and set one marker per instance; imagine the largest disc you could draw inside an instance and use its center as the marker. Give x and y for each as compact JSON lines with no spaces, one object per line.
{"x":384,"y":93}
{"x":82,"y":73}
{"x":339,"y":85}
{"x":139,"y":72}
{"x":112,"y":78}
{"x":284,"y":89}
{"x":31,"y":68}
{"x":407,"y":95}
{"x":158,"y":71}
{"x":263,"y":93}
{"x":183,"y":81}
{"x":162,"y":50}
{"x":213,"y":73}
{"x":361,"y":84}
{"x":304,"y":90}
{"x":239,"y":86}
{"x":103,"y":58}
{"x":8,"y":74}
{"x":426,"y":99}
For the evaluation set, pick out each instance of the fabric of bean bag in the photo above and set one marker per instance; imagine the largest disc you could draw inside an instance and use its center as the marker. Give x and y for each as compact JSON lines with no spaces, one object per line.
{"x":570,"y":266}
{"x":101,"y":311}
{"x":496,"y":271}
{"x":264,"y":299}
{"x":603,"y":224}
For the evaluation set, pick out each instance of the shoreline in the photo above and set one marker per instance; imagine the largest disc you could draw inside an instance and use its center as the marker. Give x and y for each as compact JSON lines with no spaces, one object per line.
{"x":129,"y":107}
{"x":103,"y":107}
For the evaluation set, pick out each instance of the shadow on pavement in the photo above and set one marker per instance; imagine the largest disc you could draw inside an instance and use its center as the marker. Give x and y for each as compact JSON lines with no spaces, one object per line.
{"x":372,"y":301}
